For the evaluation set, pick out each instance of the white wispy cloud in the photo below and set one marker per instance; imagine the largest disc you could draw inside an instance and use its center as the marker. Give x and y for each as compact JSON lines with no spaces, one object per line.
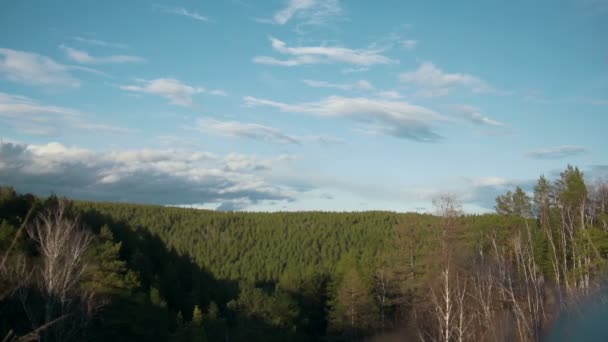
{"x":175,"y":91}
{"x":389,"y":94}
{"x":475,"y":116}
{"x":84,"y":57}
{"x":218,"y":92}
{"x":308,"y":12}
{"x":34,"y":69}
{"x":432,"y":81}
{"x":246,"y":130}
{"x":254,"y":131}
{"x":293,"y":7}
{"x":354,"y":70}
{"x":186,"y":13}
{"x":488,"y":181}
{"x":98,"y":42}
{"x":322,"y":54}
{"x":409,"y":43}
{"x":32,"y":117}
{"x":395,"y":118}
{"x":359,"y":85}
{"x":322,"y":139}
{"x":144,"y":175}
{"x":557,"y":152}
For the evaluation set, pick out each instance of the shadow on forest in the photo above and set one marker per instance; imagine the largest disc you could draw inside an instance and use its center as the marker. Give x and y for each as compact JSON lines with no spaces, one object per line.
{"x":182,"y":284}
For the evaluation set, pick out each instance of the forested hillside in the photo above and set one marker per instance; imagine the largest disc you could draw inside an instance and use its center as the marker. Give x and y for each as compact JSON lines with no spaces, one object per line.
{"x":126,"y":272}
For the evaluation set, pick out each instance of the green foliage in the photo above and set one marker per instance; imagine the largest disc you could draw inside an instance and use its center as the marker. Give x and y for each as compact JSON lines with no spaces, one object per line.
{"x":213,"y":312}
{"x":516,"y":203}
{"x":542,"y":193}
{"x":165,"y":273}
{"x":156,"y":298}
{"x":571,"y":187}
{"x":7,"y":232}
{"x":107,"y":275}
{"x":197,"y":316}
{"x":352,"y":307}
{"x":276,"y":309}
{"x":252,"y":246}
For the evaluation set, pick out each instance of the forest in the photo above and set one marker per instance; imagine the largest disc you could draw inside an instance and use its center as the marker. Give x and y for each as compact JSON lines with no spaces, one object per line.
{"x":75,"y":270}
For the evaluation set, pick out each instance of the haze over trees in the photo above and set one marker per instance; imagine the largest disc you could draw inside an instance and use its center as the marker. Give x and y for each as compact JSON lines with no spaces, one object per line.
{"x":74,"y":270}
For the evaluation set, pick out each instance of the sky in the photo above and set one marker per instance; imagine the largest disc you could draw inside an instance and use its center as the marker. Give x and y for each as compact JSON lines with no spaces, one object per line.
{"x":288,"y":105}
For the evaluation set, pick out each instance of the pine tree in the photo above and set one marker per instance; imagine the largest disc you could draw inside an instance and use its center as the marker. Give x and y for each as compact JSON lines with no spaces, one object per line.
{"x":522,"y":205}
{"x":353,"y":310}
{"x":197,"y":316}
{"x":107,"y":275}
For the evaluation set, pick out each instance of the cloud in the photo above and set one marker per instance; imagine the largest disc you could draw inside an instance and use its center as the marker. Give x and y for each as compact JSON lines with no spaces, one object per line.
{"x":259,"y":132}
{"x":32,"y":117}
{"x":473,"y":115}
{"x":323,"y":140}
{"x":489,"y":181}
{"x":359,"y":85}
{"x":218,"y":92}
{"x":395,"y":118}
{"x":83,"y":57}
{"x":354,"y":70}
{"x":558,"y":152}
{"x":233,"y":206}
{"x":310,"y":12}
{"x":293,"y":7}
{"x":34,"y":69}
{"x":145,"y":176}
{"x":242,"y":162}
{"x":322,"y":54}
{"x":286,"y":157}
{"x":186,"y":13}
{"x":409,"y":43}
{"x":98,"y":42}
{"x":246,"y":130}
{"x":174,"y":90}
{"x":389,"y":94}
{"x":483,"y":191}
{"x":432,"y":81}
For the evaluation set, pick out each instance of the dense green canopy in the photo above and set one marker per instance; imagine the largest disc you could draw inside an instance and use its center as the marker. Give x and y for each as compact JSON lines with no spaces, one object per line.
{"x":167,"y":273}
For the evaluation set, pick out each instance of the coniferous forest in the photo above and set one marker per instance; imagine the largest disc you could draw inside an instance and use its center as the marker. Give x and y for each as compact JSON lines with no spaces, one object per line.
{"x":85,"y":271}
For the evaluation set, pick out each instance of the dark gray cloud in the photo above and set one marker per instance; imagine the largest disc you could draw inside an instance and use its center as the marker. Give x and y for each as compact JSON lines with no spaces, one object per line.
{"x":143,"y":176}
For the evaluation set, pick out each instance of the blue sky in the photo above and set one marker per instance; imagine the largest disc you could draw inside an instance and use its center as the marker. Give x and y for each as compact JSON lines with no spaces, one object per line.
{"x":300,"y":104}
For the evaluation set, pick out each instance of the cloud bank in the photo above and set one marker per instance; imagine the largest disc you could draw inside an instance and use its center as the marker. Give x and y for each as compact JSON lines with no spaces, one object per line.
{"x":143,"y":176}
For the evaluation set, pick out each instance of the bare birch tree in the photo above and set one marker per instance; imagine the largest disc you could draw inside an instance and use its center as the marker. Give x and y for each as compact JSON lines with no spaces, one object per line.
{"x":62,"y":244}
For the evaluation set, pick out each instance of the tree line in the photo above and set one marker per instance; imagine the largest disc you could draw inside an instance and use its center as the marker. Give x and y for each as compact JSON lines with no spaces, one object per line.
{"x":78,"y":270}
